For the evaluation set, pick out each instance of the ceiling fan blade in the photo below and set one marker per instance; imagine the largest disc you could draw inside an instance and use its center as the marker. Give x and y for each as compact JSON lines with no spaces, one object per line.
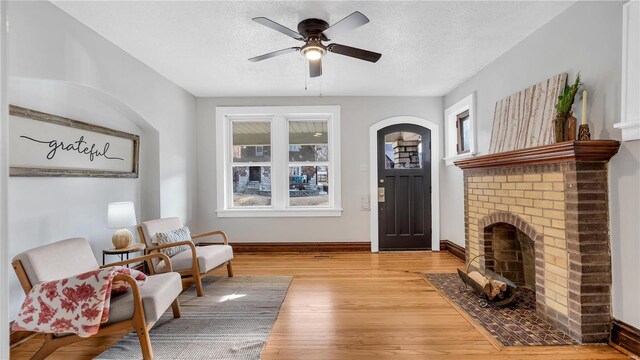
{"x":351,"y":22}
{"x":315,"y":68}
{"x":277,"y":27}
{"x":354,"y":52}
{"x":274,"y":53}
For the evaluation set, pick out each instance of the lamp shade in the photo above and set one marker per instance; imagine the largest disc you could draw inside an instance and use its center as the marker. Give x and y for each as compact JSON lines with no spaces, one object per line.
{"x":121,"y":214}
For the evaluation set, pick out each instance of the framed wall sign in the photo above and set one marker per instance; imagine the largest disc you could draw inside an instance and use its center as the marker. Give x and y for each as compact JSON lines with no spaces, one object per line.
{"x":42,"y":144}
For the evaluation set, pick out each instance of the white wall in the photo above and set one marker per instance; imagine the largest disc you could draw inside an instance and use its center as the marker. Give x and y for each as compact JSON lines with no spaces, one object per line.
{"x":357,"y":114}
{"x":58,"y":65}
{"x":586,"y":38}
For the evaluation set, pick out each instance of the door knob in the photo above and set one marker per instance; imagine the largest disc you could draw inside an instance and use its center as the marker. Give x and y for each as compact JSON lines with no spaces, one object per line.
{"x":380,"y":194}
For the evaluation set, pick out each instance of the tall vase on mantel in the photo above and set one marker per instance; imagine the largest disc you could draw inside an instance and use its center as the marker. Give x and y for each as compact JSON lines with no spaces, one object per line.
{"x":564,"y":127}
{"x":564,"y":124}
{"x":559,"y":127}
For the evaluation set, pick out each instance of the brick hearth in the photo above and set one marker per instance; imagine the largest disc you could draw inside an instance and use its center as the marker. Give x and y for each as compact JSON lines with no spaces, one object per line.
{"x":556,"y":195}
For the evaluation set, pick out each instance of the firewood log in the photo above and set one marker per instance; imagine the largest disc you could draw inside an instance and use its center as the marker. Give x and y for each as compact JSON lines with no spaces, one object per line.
{"x":484,"y":282}
{"x":495,"y":291}
{"x":498,"y":288}
{"x":499,"y":284}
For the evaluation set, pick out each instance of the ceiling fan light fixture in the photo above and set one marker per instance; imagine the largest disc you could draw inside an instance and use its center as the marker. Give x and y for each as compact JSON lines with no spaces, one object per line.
{"x":313,"y":53}
{"x":313,"y":32}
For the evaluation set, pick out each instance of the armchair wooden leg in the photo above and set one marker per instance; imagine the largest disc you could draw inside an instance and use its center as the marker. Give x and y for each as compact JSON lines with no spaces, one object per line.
{"x":145,"y":341}
{"x":199,"y":288}
{"x":229,"y":268}
{"x":175,"y":306}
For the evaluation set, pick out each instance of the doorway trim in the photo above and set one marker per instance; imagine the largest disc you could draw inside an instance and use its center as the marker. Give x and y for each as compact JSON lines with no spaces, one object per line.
{"x":435,"y":176}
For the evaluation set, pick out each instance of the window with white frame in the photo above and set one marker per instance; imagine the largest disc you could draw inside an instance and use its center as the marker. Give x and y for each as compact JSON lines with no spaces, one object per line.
{"x":460,"y":130}
{"x":278,"y":161}
{"x":463,"y":129}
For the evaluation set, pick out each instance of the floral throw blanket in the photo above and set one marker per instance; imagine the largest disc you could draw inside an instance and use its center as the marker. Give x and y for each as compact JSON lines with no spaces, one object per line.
{"x":78,"y":304}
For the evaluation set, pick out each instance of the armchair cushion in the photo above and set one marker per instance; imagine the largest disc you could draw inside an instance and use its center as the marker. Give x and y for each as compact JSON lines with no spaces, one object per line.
{"x":157,"y":295}
{"x":209,"y":257}
{"x":45,"y":263}
{"x":173,"y":236}
{"x":152,"y":227}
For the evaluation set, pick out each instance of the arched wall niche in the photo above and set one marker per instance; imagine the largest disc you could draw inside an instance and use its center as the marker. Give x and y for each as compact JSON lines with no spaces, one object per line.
{"x":42,"y":210}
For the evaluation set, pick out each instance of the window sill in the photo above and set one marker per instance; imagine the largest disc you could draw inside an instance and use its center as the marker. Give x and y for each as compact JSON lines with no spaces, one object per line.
{"x":630,"y":129}
{"x":268,"y":213}
{"x":449,"y":160}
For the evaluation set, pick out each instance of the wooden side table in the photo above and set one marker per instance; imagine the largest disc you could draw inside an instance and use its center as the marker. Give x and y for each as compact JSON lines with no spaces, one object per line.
{"x":122,"y":253}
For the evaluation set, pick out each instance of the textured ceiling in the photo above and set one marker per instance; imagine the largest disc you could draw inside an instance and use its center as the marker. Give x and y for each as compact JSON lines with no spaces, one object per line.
{"x":428,"y":47}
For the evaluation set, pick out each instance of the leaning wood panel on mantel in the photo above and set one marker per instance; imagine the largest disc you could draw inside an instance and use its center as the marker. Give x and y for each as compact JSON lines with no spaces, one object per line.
{"x":524,"y":119}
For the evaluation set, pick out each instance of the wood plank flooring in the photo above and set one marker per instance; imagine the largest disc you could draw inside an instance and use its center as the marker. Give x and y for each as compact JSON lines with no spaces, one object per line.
{"x":360,"y":306}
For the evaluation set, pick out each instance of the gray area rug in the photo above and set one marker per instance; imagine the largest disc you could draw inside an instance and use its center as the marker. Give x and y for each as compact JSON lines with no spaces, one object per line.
{"x":232,"y":321}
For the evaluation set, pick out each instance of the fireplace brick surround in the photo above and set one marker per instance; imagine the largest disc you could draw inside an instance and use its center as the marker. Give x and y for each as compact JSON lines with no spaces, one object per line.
{"x":557,"y":195}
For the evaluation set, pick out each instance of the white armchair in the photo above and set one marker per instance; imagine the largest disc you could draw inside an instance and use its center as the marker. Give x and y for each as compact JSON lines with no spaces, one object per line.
{"x":138,"y":308}
{"x":193,"y":264}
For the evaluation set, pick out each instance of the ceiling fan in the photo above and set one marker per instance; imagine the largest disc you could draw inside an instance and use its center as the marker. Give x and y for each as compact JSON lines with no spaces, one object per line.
{"x":313,"y":32}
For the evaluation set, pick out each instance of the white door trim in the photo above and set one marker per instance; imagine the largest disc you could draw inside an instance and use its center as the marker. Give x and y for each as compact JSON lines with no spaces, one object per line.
{"x":4,"y":176}
{"x":435,"y":175}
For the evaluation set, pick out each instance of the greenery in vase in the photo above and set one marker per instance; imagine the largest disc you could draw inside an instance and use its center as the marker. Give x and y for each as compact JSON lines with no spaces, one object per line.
{"x":565,"y":101}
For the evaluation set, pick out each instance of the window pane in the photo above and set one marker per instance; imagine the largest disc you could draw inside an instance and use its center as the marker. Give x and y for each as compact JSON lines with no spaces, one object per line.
{"x":251,"y":141}
{"x":465,"y":123}
{"x":308,"y":141}
{"x":308,"y":186}
{"x":251,"y":185}
{"x":403,"y":150}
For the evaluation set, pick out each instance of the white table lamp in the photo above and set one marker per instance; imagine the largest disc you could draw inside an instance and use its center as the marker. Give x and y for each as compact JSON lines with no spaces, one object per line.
{"x":121,"y":215}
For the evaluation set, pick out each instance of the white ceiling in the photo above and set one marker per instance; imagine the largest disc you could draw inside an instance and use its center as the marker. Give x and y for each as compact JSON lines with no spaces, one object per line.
{"x":428,"y":47}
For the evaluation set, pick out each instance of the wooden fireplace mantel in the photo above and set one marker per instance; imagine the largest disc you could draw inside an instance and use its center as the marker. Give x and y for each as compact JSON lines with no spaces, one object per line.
{"x":589,"y":150}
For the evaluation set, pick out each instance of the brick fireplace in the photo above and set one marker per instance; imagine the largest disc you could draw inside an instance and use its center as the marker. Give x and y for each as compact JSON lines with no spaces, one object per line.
{"x":543,"y":214}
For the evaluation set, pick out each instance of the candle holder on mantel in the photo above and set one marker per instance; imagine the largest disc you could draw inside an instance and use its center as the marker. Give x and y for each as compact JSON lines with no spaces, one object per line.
{"x":583,"y":132}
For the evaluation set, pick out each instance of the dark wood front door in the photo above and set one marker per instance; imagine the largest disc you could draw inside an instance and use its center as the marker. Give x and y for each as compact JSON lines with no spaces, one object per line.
{"x":404,"y":188}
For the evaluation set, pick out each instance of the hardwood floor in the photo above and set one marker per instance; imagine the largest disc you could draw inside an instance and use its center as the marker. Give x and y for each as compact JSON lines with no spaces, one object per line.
{"x":362,"y":306}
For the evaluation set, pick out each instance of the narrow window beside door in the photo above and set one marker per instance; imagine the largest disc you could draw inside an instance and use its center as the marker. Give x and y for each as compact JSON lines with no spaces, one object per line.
{"x":459,"y":130}
{"x":462,"y":127}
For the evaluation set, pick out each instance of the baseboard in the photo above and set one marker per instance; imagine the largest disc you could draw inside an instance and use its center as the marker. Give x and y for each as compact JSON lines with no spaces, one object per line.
{"x":300,"y":247}
{"x":625,"y":336}
{"x":453,"y":248}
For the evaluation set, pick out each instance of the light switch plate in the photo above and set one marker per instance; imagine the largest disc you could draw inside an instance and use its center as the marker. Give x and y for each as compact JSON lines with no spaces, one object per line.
{"x":364,"y":202}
